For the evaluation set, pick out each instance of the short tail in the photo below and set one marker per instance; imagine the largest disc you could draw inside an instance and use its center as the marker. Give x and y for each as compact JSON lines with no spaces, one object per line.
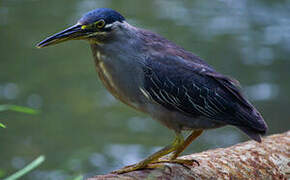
{"x":252,"y":133}
{"x":256,"y":127}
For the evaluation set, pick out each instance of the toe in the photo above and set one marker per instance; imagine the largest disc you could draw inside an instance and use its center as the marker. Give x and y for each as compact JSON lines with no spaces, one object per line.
{"x":180,"y":161}
{"x":128,"y":169}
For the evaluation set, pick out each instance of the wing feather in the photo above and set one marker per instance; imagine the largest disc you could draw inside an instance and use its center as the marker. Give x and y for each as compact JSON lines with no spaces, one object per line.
{"x":197,"y":90}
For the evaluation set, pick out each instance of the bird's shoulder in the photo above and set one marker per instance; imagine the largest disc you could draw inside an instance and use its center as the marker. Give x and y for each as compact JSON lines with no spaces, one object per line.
{"x":158,"y":44}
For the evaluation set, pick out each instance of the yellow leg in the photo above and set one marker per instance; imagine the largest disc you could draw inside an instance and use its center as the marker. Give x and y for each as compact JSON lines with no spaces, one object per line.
{"x":154,"y":157}
{"x":186,"y":143}
{"x":176,"y":147}
{"x":180,"y":149}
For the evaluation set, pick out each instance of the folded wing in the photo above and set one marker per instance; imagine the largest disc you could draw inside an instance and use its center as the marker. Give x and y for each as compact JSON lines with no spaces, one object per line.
{"x":197,"y":90}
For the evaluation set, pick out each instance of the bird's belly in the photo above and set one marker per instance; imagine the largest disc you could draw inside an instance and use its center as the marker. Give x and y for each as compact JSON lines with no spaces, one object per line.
{"x":178,"y":121}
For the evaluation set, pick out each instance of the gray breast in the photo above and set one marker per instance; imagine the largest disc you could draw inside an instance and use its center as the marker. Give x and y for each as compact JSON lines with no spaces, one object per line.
{"x":122,"y":77}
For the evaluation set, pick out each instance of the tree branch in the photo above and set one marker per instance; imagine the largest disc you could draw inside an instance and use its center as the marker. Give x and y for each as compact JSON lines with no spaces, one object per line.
{"x":250,"y":160}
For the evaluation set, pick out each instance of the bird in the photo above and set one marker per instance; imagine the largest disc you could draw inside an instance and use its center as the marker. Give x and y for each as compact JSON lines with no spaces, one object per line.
{"x":154,"y":75}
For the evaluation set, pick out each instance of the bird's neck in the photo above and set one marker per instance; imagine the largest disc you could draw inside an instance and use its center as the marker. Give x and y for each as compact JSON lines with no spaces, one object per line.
{"x":119,"y":70}
{"x":121,"y":47}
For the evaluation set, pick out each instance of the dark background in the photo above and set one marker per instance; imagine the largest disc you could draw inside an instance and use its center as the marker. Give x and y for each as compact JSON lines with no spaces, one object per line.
{"x":82,"y":129}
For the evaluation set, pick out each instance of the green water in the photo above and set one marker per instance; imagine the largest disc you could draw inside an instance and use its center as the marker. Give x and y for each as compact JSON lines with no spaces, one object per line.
{"x":82,"y":129}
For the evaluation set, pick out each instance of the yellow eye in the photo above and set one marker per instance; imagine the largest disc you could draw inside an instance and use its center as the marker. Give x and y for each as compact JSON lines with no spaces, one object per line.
{"x":100,"y":24}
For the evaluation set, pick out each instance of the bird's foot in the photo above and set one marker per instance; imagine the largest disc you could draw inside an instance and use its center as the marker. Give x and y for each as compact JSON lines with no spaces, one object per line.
{"x":131,"y":168}
{"x":189,"y":162}
{"x":156,"y":164}
{"x":158,"y":159}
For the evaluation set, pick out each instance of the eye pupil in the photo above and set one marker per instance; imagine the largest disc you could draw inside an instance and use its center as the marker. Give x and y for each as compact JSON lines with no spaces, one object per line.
{"x":100,"y":24}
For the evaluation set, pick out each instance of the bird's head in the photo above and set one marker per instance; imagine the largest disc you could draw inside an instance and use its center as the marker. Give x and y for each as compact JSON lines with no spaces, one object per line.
{"x":96,"y":25}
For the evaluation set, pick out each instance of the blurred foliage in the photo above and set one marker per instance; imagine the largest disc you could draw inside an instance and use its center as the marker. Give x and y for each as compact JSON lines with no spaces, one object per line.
{"x":34,"y":163}
{"x":2,"y":125}
{"x":37,"y":162}
{"x":15,"y":108}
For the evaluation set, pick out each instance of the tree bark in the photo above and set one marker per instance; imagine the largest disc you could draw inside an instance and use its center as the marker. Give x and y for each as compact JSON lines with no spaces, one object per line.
{"x":250,"y":160}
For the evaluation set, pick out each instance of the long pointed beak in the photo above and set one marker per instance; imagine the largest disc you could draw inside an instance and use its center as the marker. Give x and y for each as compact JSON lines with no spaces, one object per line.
{"x":73,"y":32}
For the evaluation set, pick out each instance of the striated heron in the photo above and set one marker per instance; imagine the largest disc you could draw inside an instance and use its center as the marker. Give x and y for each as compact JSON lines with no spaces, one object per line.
{"x":157,"y":77}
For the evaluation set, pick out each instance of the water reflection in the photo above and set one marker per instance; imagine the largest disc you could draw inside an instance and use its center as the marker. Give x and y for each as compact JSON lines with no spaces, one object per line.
{"x":49,"y":175}
{"x":227,"y":138}
{"x":261,"y":56}
{"x":10,"y":91}
{"x":107,"y":100}
{"x":138,"y":124}
{"x":18,"y":162}
{"x":98,"y":160}
{"x":263,"y":91}
{"x":124,"y":154}
{"x":34,"y":101}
